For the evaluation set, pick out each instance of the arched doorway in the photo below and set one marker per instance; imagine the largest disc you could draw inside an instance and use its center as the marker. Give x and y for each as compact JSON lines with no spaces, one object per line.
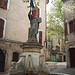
{"x":72,"y":57}
{"x":15,"y":56}
{"x":2,"y":60}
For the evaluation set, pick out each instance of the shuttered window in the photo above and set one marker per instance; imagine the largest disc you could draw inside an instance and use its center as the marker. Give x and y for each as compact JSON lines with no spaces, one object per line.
{"x":3,"y":4}
{"x":74,"y":25}
{"x":1,"y":27}
{"x":29,"y":32}
{"x":66,"y":32}
{"x":40,"y":37}
{"x":71,"y":26}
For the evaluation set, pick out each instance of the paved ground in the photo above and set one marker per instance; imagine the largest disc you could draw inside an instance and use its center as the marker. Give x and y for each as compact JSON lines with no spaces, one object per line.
{"x":60,"y":67}
{"x":69,"y":71}
{"x":3,"y":74}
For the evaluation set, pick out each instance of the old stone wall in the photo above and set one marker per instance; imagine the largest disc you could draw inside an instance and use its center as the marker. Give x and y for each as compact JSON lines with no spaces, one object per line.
{"x":69,"y":15}
{"x":68,"y":8}
{"x":69,"y":45}
{"x":10,"y":47}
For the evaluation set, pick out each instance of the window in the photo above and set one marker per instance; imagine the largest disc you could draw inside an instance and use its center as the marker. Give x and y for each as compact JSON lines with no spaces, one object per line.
{"x":66,"y":32}
{"x":40,"y":37}
{"x":74,"y":25}
{"x":15,"y":56}
{"x":71,"y":26}
{"x":3,"y":4}
{"x":1,"y":27}
{"x":29,"y":33}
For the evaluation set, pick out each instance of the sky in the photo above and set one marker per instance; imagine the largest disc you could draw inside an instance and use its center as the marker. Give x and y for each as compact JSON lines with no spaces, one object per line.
{"x":49,"y":5}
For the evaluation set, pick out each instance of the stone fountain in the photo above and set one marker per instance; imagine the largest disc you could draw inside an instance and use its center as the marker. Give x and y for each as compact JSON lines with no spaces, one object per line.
{"x":29,"y":62}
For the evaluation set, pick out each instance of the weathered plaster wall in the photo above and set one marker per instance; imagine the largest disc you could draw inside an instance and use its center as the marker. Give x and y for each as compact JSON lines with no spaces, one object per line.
{"x":17,"y":22}
{"x":69,"y":15}
{"x":68,"y":8}
{"x":69,"y":45}
{"x":10,"y":48}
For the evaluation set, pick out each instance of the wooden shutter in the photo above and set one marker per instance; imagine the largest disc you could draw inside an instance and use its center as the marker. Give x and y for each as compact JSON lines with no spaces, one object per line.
{"x":29,"y":32}
{"x":66,"y":32}
{"x":37,"y":12}
{"x":1,"y":27}
{"x":3,"y":4}
{"x":40,"y":37}
{"x":71,"y":26}
{"x":74,"y":25}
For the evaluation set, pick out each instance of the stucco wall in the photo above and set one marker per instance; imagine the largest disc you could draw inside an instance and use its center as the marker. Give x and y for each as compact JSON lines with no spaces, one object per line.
{"x":10,"y":48}
{"x":17,"y":22}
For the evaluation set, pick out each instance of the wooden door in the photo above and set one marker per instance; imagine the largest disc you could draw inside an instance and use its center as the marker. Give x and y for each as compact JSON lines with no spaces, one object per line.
{"x":2,"y":61}
{"x":72,"y":57}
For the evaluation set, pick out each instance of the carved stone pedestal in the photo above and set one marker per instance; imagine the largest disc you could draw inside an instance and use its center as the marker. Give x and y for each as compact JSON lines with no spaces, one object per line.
{"x":29,"y":62}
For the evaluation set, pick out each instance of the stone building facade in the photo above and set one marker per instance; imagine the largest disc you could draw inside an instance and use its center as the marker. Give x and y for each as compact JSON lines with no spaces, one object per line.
{"x":55,"y":50}
{"x":69,"y":22}
{"x":14,"y":29}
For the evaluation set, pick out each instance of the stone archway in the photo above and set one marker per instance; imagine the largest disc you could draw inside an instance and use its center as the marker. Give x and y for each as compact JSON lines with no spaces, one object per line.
{"x":72,"y":57}
{"x":2,"y":60}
